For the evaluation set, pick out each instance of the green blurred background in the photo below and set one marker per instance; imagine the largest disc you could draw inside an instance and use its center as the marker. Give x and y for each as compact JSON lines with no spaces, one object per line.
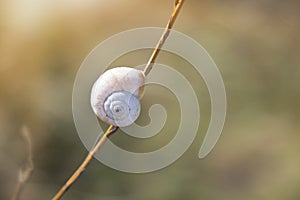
{"x":256,"y":46}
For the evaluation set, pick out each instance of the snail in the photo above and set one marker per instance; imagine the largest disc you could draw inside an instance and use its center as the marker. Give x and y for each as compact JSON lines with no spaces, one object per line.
{"x":115,"y":96}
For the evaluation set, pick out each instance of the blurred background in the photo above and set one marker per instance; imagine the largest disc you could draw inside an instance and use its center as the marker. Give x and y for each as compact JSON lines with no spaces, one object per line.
{"x":256,"y":46}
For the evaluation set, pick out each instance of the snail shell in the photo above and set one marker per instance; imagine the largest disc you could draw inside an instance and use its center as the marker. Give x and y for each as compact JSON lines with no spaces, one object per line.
{"x":115,"y":96}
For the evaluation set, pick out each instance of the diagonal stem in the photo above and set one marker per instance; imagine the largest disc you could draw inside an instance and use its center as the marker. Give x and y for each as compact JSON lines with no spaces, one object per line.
{"x":163,"y":38}
{"x":111,"y":129}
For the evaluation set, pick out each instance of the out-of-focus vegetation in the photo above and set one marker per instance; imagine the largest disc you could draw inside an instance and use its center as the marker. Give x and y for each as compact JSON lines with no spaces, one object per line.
{"x":256,"y":46}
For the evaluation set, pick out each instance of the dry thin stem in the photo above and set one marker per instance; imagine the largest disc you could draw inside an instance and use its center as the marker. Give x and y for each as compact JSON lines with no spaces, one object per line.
{"x":111,"y":129}
{"x":178,"y":5}
{"x":24,"y":174}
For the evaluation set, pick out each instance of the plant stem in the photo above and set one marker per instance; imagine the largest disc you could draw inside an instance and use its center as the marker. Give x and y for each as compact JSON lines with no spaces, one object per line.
{"x":111,"y":129}
{"x":163,"y":38}
{"x":24,"y":174}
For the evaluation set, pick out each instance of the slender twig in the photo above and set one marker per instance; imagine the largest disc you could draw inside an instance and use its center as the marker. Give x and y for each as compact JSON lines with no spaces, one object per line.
{"x":112,"y":129}
{"x":24,"y":174}
{"x":163,"y":38}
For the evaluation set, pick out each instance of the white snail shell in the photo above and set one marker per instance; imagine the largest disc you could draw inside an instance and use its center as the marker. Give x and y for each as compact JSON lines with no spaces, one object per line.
{"x":115,"y":96}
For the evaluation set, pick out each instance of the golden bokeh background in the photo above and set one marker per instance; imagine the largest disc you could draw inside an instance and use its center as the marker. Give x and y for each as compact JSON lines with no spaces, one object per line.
{"x":256,"y":46}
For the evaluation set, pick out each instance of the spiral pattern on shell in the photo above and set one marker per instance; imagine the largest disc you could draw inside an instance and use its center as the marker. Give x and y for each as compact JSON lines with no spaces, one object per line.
{"x":115,"y":95}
